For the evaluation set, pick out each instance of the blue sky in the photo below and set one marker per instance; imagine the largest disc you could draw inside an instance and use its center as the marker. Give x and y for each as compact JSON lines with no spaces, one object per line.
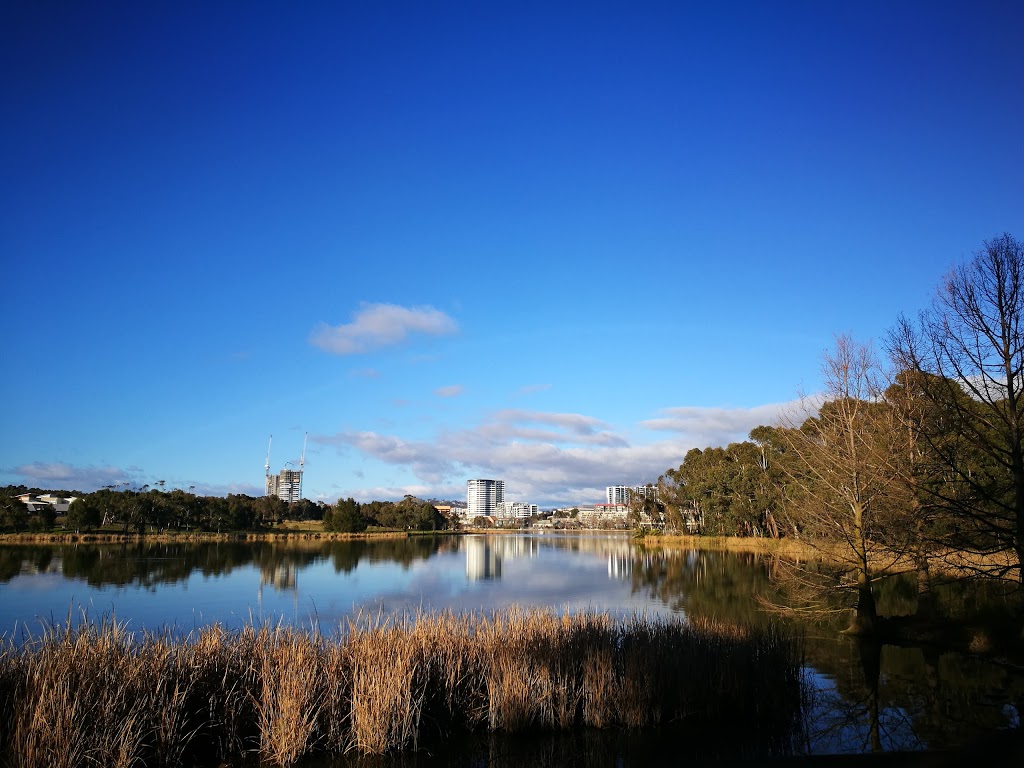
{"x":554,"y":243}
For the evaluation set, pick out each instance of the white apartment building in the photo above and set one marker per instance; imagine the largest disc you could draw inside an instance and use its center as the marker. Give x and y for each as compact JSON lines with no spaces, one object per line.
{"x":514,"y":510}
{"x":603,"y":514}
{"x":616,"y":494}
{"x":483,"y":496}
{"x":620,"y":494}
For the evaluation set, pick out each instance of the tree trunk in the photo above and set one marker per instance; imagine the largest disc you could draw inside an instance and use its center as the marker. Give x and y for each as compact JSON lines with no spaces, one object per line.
{"x":925,"y":595}
{"x":865,"y":617}
{"x":865,"y":620}
{"x":1018,"y":538}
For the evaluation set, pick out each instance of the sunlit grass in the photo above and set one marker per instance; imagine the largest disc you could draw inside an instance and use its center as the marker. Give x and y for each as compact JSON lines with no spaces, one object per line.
{"x":98,"y":694}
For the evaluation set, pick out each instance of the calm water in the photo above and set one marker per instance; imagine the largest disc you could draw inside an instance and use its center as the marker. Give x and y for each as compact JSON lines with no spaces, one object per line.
{"x":186,"y":586}
{"x":864,"y":698}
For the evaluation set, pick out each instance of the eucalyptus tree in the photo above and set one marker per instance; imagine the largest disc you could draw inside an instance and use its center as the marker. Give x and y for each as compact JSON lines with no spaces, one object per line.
{"x":967,"y":353}
{"x":734,"y":490}
{"x":345,"y":516}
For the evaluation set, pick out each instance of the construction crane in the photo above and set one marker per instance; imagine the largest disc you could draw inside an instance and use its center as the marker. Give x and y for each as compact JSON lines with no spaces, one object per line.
{"x":267,"y":465}
{"x":302,"y":463}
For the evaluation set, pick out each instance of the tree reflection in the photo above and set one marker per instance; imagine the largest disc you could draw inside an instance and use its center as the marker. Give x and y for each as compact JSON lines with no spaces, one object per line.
{"x":865,"y":696}
{"x":148,"y":564}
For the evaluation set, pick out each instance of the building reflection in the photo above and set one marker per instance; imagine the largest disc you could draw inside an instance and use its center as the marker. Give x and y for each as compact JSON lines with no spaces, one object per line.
{"x":484,"y":555}
{"x":482,"y":561}
{"x":620,"y":565}
{"x":281,"y":576}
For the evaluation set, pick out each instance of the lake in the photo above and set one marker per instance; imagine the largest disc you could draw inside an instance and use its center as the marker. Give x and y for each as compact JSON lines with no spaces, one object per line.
{"x":864,"y":698}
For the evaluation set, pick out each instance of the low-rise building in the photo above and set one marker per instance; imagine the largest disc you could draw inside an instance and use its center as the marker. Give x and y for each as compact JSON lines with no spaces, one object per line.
{"x":60,"y":504}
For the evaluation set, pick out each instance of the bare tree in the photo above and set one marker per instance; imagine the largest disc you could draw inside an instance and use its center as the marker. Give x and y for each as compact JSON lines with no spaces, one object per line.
{"x":842,"y":476}
{"x":968,"y":357}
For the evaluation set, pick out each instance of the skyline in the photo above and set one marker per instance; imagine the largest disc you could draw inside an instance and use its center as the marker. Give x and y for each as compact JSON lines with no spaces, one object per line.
{"x":559,"y":246}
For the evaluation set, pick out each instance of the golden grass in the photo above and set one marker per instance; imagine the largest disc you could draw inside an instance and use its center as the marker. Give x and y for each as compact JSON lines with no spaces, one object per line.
{"x":101,"y":695}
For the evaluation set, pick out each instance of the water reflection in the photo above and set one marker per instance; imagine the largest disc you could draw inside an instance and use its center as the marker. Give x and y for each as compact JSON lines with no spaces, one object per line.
{"x":865,"y":698}
{"x":482,"y":561}
{"x":232,"y":582}
{"x":484,"y":555}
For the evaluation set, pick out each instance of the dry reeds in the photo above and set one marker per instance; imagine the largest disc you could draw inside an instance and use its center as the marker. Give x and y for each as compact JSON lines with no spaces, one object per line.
{"x":97,"y":694}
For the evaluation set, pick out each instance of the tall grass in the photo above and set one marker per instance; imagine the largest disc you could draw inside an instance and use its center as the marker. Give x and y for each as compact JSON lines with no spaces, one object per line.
{"x":98,"y":694}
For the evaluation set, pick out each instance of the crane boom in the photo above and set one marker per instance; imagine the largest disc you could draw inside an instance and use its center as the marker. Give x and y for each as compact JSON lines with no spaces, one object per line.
{"x":302,"y":458}
{"x":267,"y":466}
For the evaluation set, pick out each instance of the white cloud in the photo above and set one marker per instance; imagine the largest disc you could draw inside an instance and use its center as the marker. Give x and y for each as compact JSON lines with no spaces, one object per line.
{"x":453,"y":390}
{"x":380,"y":325}
{"x":424,"y":459}
{"x":569,"y":458}
{"x":396,"y":492}
{"x":716,"y":426}
{"x":223,"y":489}
{"x":531,"y":389}
{"x":554,"y":428}
{"x":58,"y":475}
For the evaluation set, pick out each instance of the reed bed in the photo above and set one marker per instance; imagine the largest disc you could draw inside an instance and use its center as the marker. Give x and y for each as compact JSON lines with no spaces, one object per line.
{"x":97,"y":694}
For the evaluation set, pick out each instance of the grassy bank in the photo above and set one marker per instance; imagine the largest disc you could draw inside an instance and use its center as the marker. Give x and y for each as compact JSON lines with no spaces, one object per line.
{"x":101,"y":695}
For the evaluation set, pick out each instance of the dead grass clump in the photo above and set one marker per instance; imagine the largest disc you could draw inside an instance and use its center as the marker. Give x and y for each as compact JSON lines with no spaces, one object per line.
{"x":80,"y":677}
{"x":387,"y":693}
{"x":291,"y":692}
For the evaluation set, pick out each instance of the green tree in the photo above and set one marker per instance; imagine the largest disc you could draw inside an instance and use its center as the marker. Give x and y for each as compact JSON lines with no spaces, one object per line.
{"x":44,"y":519}
{"x":13,"y":514}
{"x":345,"y":517}
{"x":304,"y":509}
{"x":242,"y":513}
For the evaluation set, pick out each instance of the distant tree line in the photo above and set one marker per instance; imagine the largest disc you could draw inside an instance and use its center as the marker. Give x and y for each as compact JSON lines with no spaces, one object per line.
{"x":137,"y":510}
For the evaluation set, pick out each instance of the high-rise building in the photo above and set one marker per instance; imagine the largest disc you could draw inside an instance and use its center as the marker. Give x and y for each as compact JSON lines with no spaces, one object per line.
{"x":286,"y":485}
{"x":483,"y":496}
{"x":616,"y":494}
{"x":620,"y":494}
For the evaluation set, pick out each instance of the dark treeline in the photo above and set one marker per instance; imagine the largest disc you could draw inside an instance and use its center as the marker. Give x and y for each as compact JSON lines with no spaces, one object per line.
{"x":349,"y":516}
{"x":150,"y":508}
{"x":138,"y":510}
